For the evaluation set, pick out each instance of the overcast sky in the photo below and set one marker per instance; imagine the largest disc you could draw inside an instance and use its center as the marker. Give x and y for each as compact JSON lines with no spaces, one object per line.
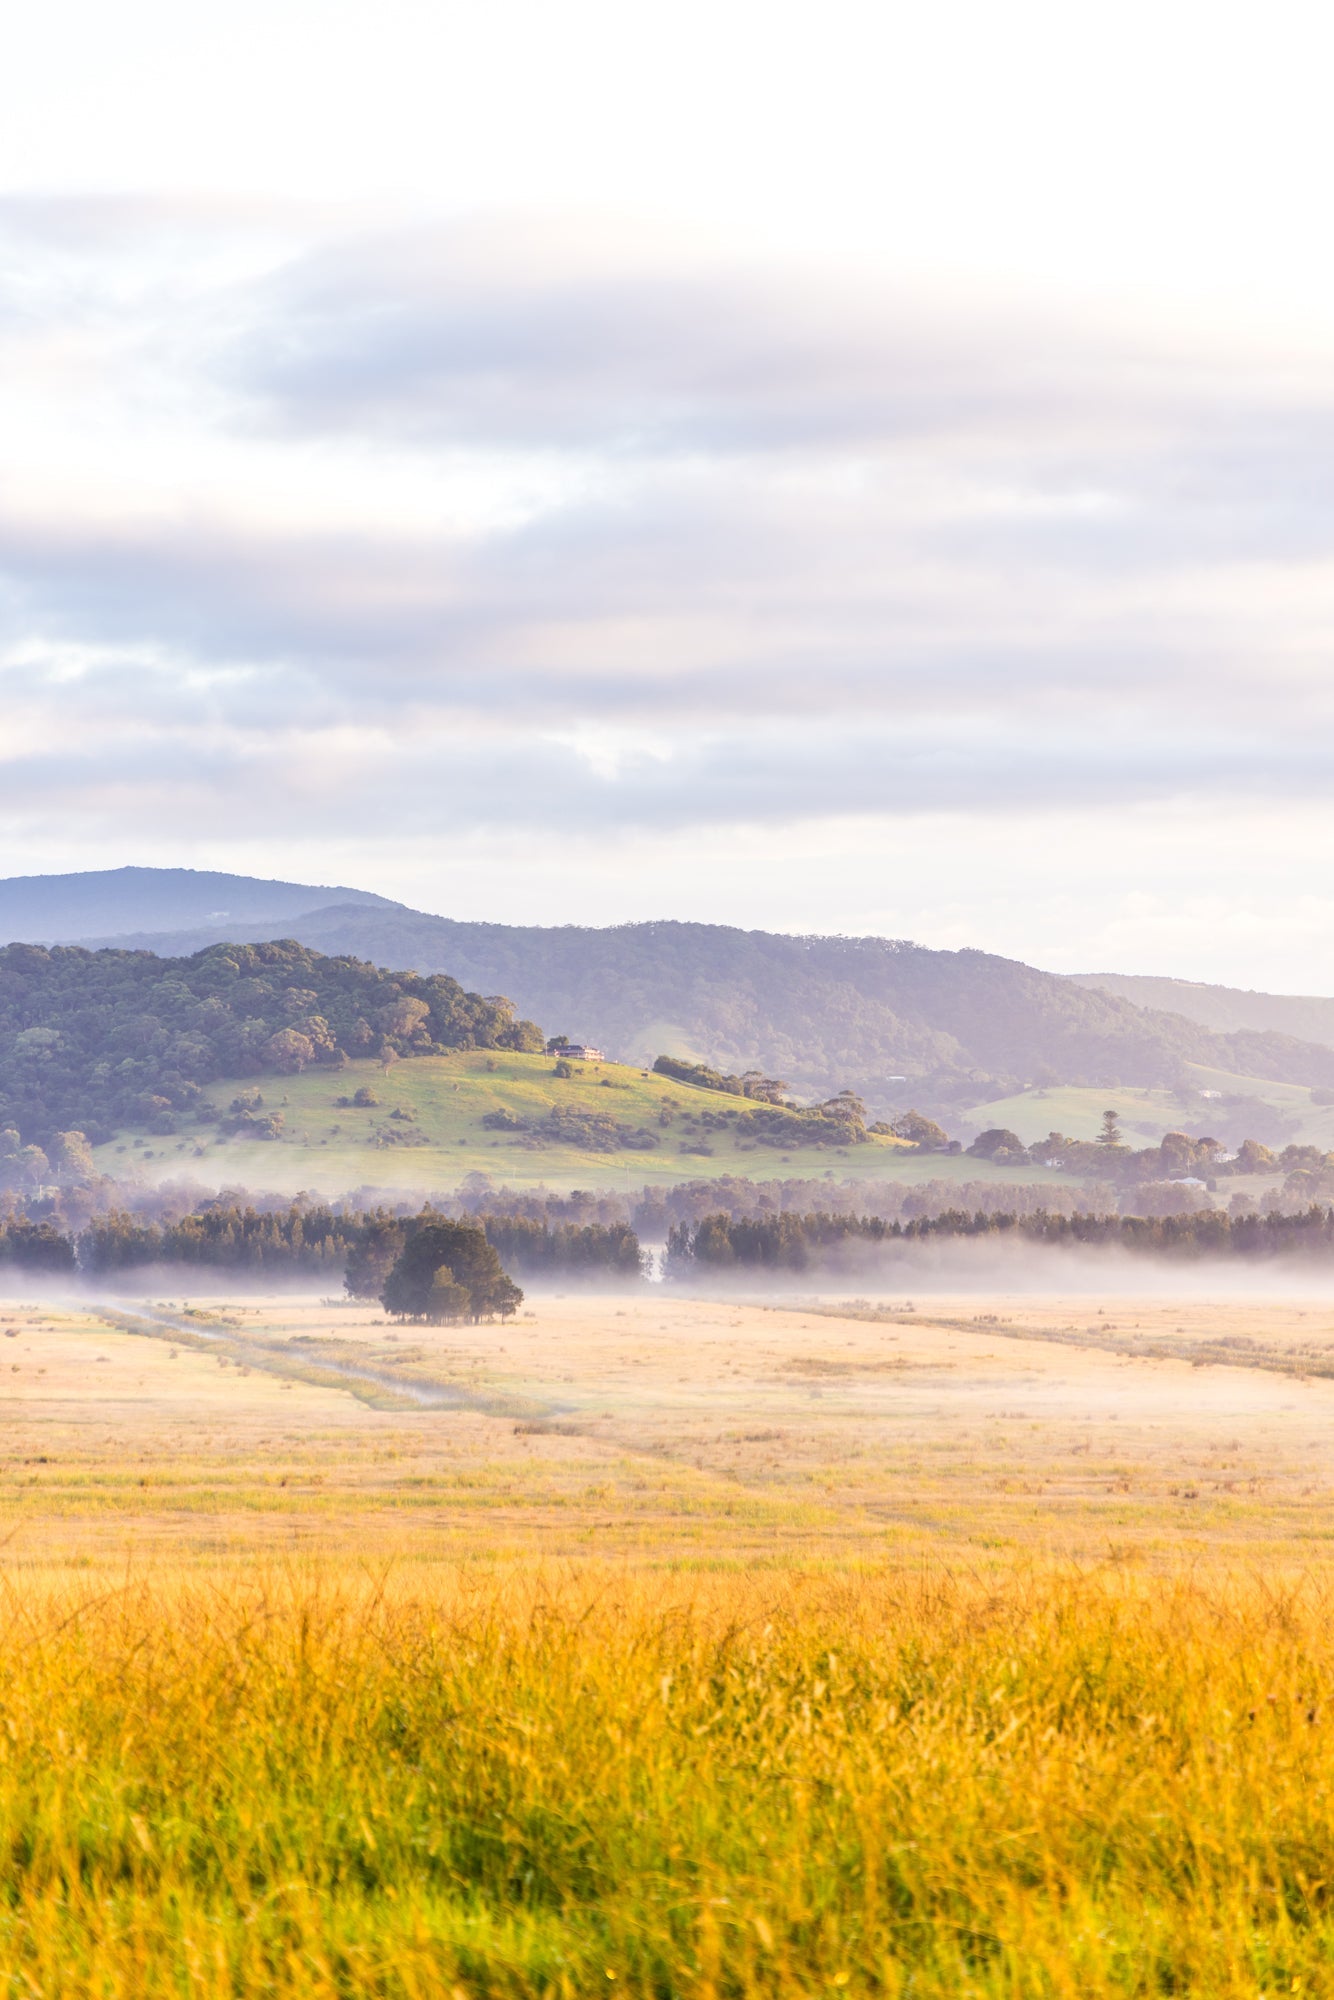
{"x":846,"y":467}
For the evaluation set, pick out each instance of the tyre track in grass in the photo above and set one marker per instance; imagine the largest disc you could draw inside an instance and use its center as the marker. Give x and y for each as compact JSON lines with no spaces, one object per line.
{"x":379,"y":1388}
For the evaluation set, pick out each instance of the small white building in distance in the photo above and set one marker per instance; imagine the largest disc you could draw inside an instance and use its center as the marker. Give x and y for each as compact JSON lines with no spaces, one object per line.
{"x":580,"y":1052}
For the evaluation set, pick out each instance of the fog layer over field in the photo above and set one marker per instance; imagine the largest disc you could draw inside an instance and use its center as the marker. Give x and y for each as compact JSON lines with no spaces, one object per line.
{"x":893,"y":1272}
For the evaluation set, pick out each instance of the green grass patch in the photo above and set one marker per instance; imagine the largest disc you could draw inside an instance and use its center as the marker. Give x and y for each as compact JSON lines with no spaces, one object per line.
{"x":1146,"y":1114}
{"x":439,"y":1135}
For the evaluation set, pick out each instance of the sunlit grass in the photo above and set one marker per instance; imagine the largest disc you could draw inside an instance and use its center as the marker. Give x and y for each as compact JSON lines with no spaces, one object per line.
{"x":1147,"y":1112}
{"x":314,"y":1782}
{"x":327,"y":1145}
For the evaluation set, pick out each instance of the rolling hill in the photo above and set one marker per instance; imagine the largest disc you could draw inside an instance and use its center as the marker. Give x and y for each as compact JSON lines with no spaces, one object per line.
{"x":897,"y":1022}
{"x":432,"y":1120}
{"x":93,"y":1041}
{"x":1229,"y":1108}
{"x":957,"y":1026}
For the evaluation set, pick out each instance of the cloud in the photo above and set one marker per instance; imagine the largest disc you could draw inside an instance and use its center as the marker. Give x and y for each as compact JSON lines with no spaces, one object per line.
{"x":527,"y":335}
{"x":476,"y":527}
{"x":213,"y":762}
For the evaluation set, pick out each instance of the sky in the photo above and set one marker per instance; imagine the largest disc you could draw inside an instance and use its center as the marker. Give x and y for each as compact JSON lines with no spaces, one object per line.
{"x":855,"y":468}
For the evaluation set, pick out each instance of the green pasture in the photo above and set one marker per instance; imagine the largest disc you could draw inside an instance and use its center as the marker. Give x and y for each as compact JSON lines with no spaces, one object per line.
{"x":1146,"y":1114}
{"x":440,"y":1137}
{"x":1077,"y":1111}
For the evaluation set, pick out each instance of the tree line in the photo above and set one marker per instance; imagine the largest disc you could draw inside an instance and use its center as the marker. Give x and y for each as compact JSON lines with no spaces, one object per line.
{"x":364,"y":1248}
{"x":771,"y":1119}
{"x":1176,"y":1155}
{"x":718,"y":1243}
{"x":311,"y":1241}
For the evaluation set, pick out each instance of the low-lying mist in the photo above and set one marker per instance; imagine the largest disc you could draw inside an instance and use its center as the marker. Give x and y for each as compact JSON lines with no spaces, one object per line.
{"x":896,"y":1274}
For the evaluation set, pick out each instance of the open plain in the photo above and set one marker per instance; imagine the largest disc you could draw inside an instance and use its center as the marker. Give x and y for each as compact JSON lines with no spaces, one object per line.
{"x":672,"y":1429}
{"x":667,"y":1646}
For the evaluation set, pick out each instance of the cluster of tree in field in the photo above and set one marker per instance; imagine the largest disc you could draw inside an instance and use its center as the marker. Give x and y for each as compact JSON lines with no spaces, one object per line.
{"x":657,"y":1210}
{"x":66,"y":1160}
{"x":95,"y":1040}
{"x":771,"y":1120}
{"x":718,"y":1244}
{"x":603,"y":1253}
{"x":750,"y":1083}
{"x":649,"y":1211}
{"x":448,"y":1271}
{"x":573,"y":1252}
{"x":560,"y":1238}
{"x":219,"y":1236}
{"x":1176,"y":1155}
{"x":839,"y":1123}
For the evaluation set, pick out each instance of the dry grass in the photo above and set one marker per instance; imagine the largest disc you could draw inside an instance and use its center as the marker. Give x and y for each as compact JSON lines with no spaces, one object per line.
{"x":776,"y":1654}
{"x":671,"y":1430}
{"x":314,"y":1784}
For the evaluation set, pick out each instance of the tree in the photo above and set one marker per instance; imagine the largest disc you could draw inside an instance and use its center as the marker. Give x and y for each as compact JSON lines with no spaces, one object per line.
{"x":405,"y":1020}
{"x":373,"y":1256}
{"x":288,"y":1051}
{"x":472,"y":1264}
{"x":999,"y":1144}
{"x":37,"y":1247}
{"x":72,"y":1157}
{"x":1110,"y":1134}
{"x":447,"y":1302}
{"x":1177,"y":1154}
{"x":925,"y":1134}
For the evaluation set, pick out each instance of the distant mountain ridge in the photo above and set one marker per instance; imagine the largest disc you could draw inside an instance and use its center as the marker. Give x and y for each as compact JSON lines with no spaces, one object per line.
{"x":958,"y":1027}
{"x":1225,"y":1009}
{"x":108,"y":903}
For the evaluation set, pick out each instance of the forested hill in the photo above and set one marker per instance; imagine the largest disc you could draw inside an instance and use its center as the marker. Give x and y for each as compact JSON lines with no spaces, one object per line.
{"x":821,"y":1012}
{"x":1226,"y":1009}
{"x":92,"y":1040}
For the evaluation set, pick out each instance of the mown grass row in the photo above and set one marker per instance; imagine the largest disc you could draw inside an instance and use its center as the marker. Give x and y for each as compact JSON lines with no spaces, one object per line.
{"x":513,"y":1784}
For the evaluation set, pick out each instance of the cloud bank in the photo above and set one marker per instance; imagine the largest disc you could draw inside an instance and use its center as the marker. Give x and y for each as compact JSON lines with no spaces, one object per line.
{"x":498,"y":529}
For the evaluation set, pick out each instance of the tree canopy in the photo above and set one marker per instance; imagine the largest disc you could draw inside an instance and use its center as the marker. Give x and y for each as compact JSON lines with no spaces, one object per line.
{"x":449,"y":1271}
{"x":93,"y":1040}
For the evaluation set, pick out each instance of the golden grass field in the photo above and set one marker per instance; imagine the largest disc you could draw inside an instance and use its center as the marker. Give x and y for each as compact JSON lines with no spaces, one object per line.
{"x":667,"y":1647}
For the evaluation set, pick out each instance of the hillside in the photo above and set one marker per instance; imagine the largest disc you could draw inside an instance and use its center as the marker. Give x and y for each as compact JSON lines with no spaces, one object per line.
{"x":436,"y":1119}
{"x":96,"y":1041}
{"x":959,"y":1027}
{"x":1226,"y":1009}
{"x":820,"y":1012}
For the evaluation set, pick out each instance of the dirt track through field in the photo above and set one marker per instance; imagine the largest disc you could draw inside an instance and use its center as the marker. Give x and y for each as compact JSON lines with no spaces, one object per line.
{"x":313,"y":1364}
